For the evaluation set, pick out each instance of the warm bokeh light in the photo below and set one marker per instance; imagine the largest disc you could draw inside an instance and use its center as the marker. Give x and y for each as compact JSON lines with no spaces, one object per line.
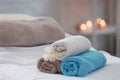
{"x":98,"y":20}
{"x":88,"y":27}
{"x":102,"y":23}
{"x":83,"y":27}
{"x":89,"y":24}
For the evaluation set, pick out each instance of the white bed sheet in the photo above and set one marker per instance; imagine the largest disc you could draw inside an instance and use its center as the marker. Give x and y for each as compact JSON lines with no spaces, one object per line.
{"x":19,"y":63}
{"x":21,"y":55}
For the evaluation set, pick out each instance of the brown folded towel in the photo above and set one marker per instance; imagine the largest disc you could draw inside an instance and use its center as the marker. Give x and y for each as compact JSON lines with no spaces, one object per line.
{"x":49,"y":67}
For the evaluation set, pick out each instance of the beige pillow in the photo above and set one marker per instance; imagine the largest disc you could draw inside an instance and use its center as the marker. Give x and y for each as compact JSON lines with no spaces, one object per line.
{"x":8,"y":17}
{"x":42,"y":30}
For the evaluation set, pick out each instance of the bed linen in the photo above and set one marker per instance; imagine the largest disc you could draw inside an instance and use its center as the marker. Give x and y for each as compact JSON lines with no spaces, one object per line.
{"x":19,"y":63}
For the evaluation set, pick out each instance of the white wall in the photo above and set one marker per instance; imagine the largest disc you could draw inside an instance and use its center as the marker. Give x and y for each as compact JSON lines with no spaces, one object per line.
{"x":36,"y":7}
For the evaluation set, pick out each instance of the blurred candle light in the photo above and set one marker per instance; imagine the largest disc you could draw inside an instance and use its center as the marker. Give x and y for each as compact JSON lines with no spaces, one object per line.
{"x":101,"y":23}
{"x":82,"y":27}
{"x":89,"y":24}
{"x":98,"y":20}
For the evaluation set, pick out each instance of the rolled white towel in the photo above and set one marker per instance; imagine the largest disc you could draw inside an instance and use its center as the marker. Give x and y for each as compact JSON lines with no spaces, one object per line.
{"x":66,"y":47}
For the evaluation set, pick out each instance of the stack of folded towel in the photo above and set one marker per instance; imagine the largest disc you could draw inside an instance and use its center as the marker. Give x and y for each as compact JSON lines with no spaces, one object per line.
{"x":72,"y":57}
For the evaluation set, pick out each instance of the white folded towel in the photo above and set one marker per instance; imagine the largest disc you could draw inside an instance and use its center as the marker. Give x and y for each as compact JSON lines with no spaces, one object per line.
{"x":65,"y":47}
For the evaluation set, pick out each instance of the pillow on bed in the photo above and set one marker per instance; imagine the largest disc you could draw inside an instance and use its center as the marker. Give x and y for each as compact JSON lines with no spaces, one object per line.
{"x":9,"y":17}
{"x":32,"y":32}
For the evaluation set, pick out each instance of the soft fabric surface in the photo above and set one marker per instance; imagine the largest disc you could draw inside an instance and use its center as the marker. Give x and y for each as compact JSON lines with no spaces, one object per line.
{"x":13,"y":71}
{"x":32,"y":32}
{"x":22,"y":55}
{"x":9,"y":17}
{"x":66,"y":47}
{"x":19,"y":63}
{"x":83,"y":64}
{"x":49,"y":67}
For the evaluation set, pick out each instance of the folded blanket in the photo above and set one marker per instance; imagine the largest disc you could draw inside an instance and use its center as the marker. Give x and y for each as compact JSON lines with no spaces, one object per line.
{"x":49,"y":67}
{"x":42,"y":30}
{"x":65,"y":47}
{"x":83,"y":64}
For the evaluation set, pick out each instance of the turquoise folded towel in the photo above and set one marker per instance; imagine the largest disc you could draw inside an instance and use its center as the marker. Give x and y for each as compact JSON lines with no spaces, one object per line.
{"x":82,"y":64}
